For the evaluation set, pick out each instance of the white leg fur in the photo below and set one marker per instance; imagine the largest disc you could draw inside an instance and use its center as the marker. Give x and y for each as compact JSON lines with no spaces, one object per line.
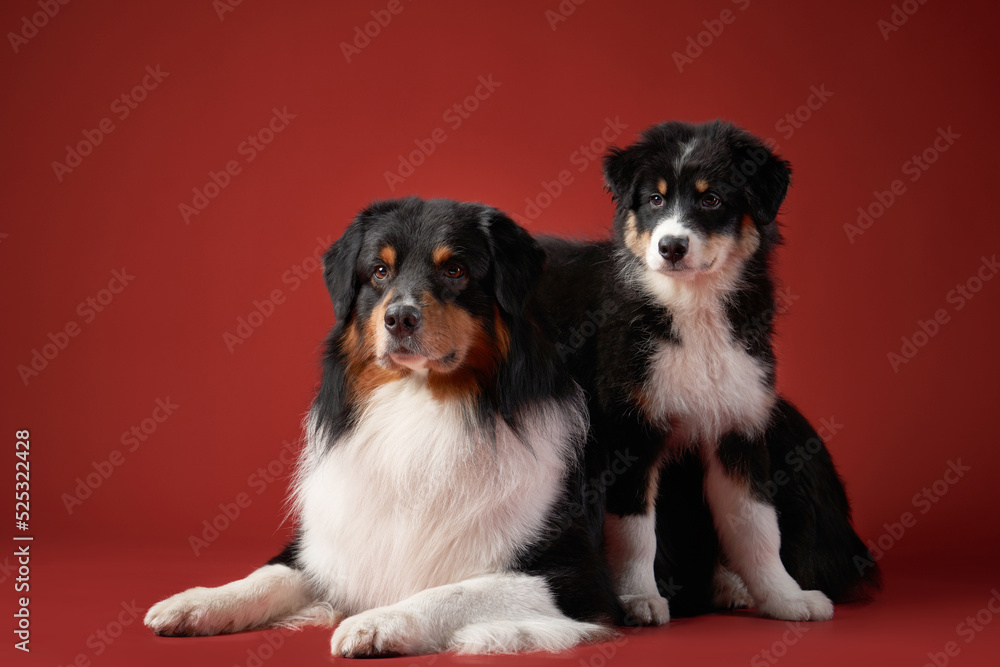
{"x":631,"y":551}
{"x":269,"y":595}
{"x":750,"y":538}
{"x":498,"y":613}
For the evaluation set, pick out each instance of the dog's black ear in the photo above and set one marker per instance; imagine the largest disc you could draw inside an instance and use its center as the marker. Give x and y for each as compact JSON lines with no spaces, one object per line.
{"x":765,"y":177}
{"x":518,"y":261}
{"x":621,"y":168}
{"x":340,"y":269}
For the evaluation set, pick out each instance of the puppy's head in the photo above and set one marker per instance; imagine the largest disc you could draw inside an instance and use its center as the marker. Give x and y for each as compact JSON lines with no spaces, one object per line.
{"x":695,"y":201}
{"x":428,"y":288}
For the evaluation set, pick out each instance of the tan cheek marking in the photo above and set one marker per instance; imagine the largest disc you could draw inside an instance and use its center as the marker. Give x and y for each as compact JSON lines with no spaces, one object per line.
{"x":701,"y":185}
{"x":358,"y":345}
{"x":661,"y":186}
{"x":388,"y":255}
{"x":477,"y":354}
{"x":749,"y":237}
{"x":635,"y":241}
{"x":441,"y":255}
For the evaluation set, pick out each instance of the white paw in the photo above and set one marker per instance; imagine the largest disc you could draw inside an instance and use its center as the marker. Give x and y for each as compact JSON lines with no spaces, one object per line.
{"x":196,"y":611}
{"x":645,"y":609}
{"x":802,"y":606}
{"x":377,"y":633}
{"x":730,"y":591}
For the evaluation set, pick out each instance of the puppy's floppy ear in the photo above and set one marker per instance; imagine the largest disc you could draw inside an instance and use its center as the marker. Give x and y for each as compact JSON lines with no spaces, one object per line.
{"x":340,"y":269}
{"x":518,"y":261}
{"x":621,"y":167}
{"x":766,"y":176}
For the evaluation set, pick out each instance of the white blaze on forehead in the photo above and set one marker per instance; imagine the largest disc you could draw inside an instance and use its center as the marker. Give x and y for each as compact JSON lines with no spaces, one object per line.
{"x":686,"y":150}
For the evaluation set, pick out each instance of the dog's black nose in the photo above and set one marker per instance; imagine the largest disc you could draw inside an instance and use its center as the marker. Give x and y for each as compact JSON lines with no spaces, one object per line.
{"x":402,"y":320}
{"x":673,"y":248}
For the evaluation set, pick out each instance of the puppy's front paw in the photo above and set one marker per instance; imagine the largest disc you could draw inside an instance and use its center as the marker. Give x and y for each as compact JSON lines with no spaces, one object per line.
{"x":803,"y":606}
{"x":377,"y":633}
{"x":645,"y":609}
{"x":194,"y":612}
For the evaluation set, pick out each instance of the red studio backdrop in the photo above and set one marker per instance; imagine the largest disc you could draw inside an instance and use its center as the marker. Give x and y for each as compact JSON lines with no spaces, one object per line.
{"x":172,"y":170}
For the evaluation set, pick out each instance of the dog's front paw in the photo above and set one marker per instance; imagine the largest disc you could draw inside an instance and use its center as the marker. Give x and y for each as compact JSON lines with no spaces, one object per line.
{"x":643,"y":609}
{"x":803,"y":606}
{"x":377,"y":633}
{"x":193,"y":612}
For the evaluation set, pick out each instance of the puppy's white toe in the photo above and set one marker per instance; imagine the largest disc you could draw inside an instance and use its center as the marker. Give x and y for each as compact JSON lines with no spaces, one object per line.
{"x":645,"y":609}
{"x":803,"y":606}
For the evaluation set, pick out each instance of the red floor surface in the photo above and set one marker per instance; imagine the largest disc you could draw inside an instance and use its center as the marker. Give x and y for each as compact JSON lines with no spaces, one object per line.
{"x":88,"y":594}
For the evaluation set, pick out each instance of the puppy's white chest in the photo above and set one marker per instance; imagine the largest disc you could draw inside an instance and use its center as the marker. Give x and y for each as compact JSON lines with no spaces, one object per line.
{"x":414,"y":498}
{"x":706,"y":385}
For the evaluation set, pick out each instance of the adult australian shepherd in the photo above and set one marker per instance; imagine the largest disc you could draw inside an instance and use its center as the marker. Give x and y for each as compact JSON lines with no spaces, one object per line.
{"x":668,"y":327}
{"x":439,"y":496}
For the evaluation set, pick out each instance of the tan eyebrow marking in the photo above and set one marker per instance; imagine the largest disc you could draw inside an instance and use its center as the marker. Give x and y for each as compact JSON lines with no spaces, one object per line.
{"x":701,"y":185}
{"x":662,"y":186}
{"x":442,"y":254}
{"x":388,"y":255}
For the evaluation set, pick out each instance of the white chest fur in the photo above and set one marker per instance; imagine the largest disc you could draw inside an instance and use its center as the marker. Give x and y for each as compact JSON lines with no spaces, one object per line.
{"x":413,"y":498}
{"x":707,"y":385}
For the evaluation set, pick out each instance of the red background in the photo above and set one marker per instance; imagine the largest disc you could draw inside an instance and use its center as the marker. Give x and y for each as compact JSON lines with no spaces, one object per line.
{"x":162,"y":336}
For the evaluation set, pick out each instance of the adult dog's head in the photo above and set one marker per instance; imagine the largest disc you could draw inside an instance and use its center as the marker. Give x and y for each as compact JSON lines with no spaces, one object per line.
{"x":432,"y":288}
{"x":696,"y":201}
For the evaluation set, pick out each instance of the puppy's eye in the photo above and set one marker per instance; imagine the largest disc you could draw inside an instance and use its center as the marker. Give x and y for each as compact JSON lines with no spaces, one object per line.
{"x":656,"y":200}
{"x":710,"y":201}
{"x":454,"y":271}
{"x":380,"y":272}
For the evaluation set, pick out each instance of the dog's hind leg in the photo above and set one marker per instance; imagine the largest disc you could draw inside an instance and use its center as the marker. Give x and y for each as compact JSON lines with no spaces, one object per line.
{"x":748,"y":529}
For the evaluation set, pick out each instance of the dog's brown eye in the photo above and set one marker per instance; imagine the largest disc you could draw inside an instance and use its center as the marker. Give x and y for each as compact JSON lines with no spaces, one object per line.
{"x":656,"y":200}
{"x":454,"y":271}
{"x":710,"y":201}
{"x":380,"y":272}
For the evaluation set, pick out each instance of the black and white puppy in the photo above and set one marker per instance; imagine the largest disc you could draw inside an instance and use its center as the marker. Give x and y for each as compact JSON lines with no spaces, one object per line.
{"x":668,"y":328}
{"x":443,"y":458}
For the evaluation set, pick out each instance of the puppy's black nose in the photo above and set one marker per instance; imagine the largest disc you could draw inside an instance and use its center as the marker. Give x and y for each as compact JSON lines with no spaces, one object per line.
{"x":673,"y":248}
{"x":402,"y":320}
